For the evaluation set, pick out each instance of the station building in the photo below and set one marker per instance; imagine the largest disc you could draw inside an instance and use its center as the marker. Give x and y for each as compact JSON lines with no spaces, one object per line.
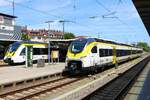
{"x":9,"y":32}
{"x":8,"y":29}
{"x":41,"y":35}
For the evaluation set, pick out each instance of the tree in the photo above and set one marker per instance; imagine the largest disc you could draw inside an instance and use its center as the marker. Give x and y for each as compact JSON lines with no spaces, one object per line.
{"x":69,"y":36}
{"x":25,"y":37}
{"x":144,"y":45}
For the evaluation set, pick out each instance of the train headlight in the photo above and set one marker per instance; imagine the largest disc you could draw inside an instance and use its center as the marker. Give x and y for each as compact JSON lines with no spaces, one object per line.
{"x":67,"y":61}
{"x":66,"y":58}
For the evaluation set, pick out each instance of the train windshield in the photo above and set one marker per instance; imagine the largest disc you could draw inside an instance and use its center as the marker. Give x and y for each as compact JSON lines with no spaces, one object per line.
{"x":13,"y":47}
{"x":78,"y":45}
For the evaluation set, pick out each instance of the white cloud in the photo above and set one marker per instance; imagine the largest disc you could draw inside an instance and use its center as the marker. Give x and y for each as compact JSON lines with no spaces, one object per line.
{"x":4,"y":3}
{"x":8,"y":2}
{"x":63,"y":4}
{"x":51,"y":5}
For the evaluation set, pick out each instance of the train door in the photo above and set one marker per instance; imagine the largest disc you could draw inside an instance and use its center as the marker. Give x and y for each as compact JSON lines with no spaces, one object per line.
{"x":115,"y":57}
{"x":94,"y":56}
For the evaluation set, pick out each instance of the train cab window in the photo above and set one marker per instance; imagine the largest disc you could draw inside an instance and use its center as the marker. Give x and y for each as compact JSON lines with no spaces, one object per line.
{"x":78,"y":45}
{"x":23,"y":51}
{"x":94,"y":49}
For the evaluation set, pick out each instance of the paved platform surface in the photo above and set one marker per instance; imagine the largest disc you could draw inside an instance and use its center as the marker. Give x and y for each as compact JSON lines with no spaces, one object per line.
{"x":141,"y":88}
{"x":20,"y":72}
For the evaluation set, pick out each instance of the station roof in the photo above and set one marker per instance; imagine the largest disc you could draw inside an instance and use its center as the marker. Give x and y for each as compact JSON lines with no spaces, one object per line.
{"x":2,"y":14}
{"x":143,"y":8}
{"x":62,"y":40}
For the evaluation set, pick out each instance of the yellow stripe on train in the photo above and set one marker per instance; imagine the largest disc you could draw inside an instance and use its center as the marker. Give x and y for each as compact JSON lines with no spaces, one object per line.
{"x":37,"y":45}
{"x":9,"y":54}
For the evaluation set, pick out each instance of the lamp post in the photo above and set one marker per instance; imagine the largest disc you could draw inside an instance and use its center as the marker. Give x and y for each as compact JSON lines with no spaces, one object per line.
{"x":49,"y":32}
{"x":13,"y":5}
{"x":63,"y":24}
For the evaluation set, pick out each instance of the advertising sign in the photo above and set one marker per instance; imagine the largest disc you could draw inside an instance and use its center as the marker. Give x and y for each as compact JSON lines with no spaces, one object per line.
{"x":55,"y":54}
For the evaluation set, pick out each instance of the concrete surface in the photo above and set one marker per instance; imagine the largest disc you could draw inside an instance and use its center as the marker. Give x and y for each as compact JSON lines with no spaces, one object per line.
{"x":141,"y":88}
{"x":20,"y":72}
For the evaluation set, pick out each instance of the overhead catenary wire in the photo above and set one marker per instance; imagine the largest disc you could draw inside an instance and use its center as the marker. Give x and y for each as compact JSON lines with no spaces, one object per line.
{"x":33,"y":9}
{"x":117,"y":5}
{"x":103,"y":6}
{"x":46,"y":13}
{"x":60,"y":17}
{"x":111,"y":13}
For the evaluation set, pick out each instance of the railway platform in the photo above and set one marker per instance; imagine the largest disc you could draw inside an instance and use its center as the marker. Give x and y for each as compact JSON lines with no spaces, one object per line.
{"x":9,"y":74}
{"x":141,"y":88}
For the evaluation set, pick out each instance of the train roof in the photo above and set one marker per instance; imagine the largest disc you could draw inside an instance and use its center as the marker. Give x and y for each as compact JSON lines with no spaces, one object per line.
{"x":29,"y":42}
{"x":111,"y":42}
{"x":33,"y":42}
{"x":108,"y":41}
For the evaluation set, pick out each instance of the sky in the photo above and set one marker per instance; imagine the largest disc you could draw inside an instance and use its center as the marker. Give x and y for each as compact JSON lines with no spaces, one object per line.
{"x":115,"y":20}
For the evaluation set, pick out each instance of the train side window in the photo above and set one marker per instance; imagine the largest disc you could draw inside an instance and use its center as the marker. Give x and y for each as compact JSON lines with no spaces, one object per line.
{"x":46,"y":51}
{"x":36,"y":51}
{"x":23,"y":52}
{"x":100,"y":52}
{"x":43,"y":51}
{"x":94,"y":49}
{"x":110,"y":52}
{"x":106,"y":52}
{"x":123,"y":52}
{"x":117,"y":54}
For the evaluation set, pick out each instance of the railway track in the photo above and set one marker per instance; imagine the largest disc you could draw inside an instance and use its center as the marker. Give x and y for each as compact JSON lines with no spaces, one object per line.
{"x":33,"y":92}
{"x":117,"y":89}
{"x":49,"y":87}
{"x":14,"y":87}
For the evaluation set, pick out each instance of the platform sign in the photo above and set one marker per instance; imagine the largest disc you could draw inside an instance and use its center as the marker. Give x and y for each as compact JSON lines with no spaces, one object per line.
{"x":29,"y":56}
{"x":55,"y":55}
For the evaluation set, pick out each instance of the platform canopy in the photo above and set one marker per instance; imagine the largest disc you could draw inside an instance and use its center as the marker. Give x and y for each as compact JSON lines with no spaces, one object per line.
{"x":143,"y":8}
